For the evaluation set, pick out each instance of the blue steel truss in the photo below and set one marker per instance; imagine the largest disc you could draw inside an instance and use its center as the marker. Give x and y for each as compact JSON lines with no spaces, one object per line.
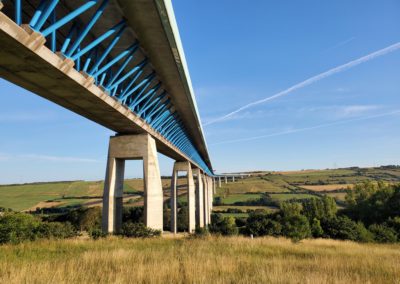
{"x":142,"y":93}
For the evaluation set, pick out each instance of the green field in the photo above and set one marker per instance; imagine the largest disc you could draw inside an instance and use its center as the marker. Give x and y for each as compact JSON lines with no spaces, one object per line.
{"x":232,"y":198}
{"x":290,"y":196}
{"x":280,"y":185}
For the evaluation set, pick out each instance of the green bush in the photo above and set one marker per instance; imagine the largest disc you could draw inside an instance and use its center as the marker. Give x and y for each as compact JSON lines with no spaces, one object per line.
{"x":296,"y":227}
{"x":96,"y":233}
{"x":56,"y":230}
{"x":133,"y":214}
{"x":314,"y":208}
{"x":138,"y":230}
{"x":262,"y":224}
{"x":83,"y":219}
{"x":383,"y":234}
{"x":18,"y":227}
{"x":316,"y":229}
{"x":202,"y":232}
{"x":343,"y":228}
{"x":223,"y":225}
{"x":394,"y":223}
{"x":183,"y":219}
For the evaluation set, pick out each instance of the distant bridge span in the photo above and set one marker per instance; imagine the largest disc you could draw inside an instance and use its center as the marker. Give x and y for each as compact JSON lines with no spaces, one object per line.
{"x":119,"y":63}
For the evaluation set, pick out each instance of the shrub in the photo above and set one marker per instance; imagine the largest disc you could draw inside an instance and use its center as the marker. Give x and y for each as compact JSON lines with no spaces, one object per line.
{"x":56,"y":230}
{"x":17,"y":227}
{"x":383,"y":234}
{"x":138,"y":230}
{"x":319,"y":208}
{"x":343,"y":228}
{"x":183,"y":219}
{"x":83,"y":219}
{"x":202,"y":232}
{"x":261,"y":224}
{"x":218,"y":201}
{"x":296,"y":227}
{"x":394,"y":223}
{"x":240,"y":222}
{"x":96,"y":233}
{"x":133,"y":214}
{"x":4,"y":209}
{"x":223,"y":225}
{"x":316,"y":229}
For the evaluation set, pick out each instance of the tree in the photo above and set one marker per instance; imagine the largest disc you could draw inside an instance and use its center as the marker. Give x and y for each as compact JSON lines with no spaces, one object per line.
{"x":343,"y":228}
{"x":296,"y":227}
{"x":316,"y":229}
{"x":383,"y":234}
{"x":319,"y":208}
{"x":17,"y":227}
{"x":223,"y":225}
{"x":262,"y":224}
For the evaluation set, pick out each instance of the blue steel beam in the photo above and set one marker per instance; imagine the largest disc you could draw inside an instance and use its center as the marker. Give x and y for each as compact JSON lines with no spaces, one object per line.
{"x":87,"y":28}
{"x":143,"y":96}
{"x":51,"y":5}
{"x":68,"y":17}
{"x":98,"y":40}
{"x":148,"y":97}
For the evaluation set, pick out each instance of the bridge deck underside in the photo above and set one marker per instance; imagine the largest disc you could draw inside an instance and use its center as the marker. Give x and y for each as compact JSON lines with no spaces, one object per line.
{"x":25,"y":68}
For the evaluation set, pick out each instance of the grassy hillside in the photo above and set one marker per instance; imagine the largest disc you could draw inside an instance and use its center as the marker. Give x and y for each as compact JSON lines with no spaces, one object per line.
{"x":224,"y":260}
{"x":279,"y":186}
{"x":283,"y":186}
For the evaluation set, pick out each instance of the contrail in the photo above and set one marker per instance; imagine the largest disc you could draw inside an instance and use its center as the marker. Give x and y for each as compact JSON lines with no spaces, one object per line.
{"x":314,"y":79}
{"x":340,"y":44}
{"x":308,"y":128}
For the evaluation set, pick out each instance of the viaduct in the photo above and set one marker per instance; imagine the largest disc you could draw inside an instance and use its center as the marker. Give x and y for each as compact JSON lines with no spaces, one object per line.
{"x":119,"y":63}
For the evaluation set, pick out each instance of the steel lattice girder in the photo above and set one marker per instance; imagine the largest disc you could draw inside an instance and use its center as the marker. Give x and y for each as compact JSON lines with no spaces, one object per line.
{"x":128,"y":83}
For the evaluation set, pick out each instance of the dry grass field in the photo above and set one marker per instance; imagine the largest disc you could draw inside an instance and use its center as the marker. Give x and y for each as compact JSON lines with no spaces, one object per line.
{"x":190,"y":260}
{"x":327,"y":187}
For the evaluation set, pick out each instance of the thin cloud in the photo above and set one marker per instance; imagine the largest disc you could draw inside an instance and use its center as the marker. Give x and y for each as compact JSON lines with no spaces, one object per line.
{"x":340,"y":44}
{"x":340,"y":122}
{"x":357,"y":109}
{"x":313,"y":80}
{"x":57,"y":158}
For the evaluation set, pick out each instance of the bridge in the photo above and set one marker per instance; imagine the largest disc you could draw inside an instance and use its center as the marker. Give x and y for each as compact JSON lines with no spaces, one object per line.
{"x":121,"y":64}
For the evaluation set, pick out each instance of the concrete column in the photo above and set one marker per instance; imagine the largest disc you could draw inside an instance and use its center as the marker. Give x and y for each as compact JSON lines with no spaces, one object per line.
{"x":219,"y":182}
{"x":129,"y":147}
{"x":226,"y":180}
{"x":214,"y":186}
{"x":173,"y":202}
{"x":206,"y":201}
{"x":210,"y":198}
{"x":112,"y":195}
{"x":199,"y":198}
{"x":184,"y":167}
{"x":233,"y":179}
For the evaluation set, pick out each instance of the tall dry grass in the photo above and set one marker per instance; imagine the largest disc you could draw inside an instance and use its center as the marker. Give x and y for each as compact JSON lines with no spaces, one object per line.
{"x":210,"y":260}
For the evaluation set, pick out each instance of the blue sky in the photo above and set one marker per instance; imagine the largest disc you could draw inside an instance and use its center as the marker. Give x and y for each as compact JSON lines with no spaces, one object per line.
{"x":237,"y":54}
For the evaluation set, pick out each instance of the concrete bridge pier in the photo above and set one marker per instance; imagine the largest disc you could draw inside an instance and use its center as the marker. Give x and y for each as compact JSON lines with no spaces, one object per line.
{"x":219,"y":182}
{"x":214,"y":186}
{"x":183,"y":167}
{"x":210,"y":197}
{"x":132,"y":147}
{"x":199,"y":198}
{"x":226,"y":179}
{"x":233,"y":178}
{"x":205,"y":200}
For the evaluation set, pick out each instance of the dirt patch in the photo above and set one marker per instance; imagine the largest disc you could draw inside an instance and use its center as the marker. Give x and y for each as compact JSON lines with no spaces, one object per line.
{"x":45,"y":204}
